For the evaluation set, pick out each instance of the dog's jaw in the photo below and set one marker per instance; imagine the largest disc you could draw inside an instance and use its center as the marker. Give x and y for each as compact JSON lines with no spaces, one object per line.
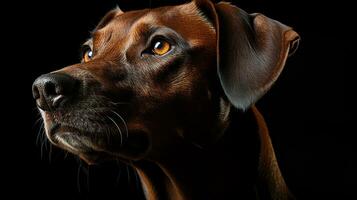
{"x":107,"y":141}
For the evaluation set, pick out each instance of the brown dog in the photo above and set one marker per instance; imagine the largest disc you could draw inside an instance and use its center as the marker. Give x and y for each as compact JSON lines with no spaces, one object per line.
{"x":171,"y":92}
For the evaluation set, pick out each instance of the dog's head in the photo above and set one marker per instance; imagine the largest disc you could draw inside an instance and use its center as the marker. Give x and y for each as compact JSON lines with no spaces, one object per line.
{"x":152,"y":79}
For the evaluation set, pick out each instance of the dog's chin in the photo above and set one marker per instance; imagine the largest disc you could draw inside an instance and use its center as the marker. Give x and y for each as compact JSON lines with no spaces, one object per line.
{"x":95,"y":148}
{"x":78,"y":143}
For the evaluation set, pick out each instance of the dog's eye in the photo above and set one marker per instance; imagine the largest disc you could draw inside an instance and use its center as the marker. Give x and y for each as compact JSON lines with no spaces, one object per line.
{"x":87,"y":56}
{"x":160,"y":47}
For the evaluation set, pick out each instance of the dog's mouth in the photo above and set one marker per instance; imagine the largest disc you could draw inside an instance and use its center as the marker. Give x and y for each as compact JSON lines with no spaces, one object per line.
{"x":81,"y":145}
{"x":95,"y":139}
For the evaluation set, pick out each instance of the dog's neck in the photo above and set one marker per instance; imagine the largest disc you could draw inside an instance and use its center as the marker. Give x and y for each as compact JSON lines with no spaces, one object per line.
{"x":241,"y":163}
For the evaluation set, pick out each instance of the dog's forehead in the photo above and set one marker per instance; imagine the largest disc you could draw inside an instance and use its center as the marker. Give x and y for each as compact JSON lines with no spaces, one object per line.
{"x":185,"y":19}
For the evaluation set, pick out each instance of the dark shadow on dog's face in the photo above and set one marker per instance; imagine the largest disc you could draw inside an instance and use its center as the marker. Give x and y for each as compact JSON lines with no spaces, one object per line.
{"x":146,"y":80}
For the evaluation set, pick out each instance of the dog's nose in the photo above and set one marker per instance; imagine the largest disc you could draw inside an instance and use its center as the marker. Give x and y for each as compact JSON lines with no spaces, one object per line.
{"x":50,"y":90}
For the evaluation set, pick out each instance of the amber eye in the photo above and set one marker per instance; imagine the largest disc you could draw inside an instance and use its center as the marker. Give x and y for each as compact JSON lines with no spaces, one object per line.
{"x":160,"y":47}
{"x":87,"y":56}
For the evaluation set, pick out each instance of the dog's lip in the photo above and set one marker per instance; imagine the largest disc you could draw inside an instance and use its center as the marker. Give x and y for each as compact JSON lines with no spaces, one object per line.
{"x":60,"y":129}
{"x":60,"y":134}
{"x":135,"y":146}
{"x":69,"y":138}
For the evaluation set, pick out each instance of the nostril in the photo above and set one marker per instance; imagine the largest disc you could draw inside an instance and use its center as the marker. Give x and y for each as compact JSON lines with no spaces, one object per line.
{"x":35,"y":92}
{"x":49,"y":89}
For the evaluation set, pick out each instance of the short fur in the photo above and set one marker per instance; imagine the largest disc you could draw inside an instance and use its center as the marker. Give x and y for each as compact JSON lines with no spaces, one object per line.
{"x":186,"y":120}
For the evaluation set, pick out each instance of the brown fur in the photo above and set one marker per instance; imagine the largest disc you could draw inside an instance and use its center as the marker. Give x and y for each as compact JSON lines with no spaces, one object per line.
{"x":193,"y":131}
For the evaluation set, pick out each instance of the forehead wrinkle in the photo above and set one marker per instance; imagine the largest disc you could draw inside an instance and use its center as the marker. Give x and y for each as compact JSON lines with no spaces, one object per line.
{"x":146,"y":19}
{"x":143,"y":24}
{"x":103,"y":36}
{"x":118,"y":24}
{"x":141,"y":31}
{"x":121,"y":26}
{"x":139,"y":28}
{"x":99,"y":37}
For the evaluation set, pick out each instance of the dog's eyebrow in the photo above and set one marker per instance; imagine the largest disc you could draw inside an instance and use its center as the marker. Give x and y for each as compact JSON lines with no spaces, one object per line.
{"x":94,"y":35}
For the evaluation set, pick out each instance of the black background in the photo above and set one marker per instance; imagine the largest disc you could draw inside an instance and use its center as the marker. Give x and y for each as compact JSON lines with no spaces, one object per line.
{"x":306,"y":110}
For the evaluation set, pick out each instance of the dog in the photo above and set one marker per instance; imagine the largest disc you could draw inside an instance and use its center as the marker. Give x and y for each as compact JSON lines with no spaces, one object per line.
{"x":171,"y":92}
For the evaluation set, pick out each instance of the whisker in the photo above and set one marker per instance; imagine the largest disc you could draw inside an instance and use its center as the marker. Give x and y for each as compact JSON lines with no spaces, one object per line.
{"x":125,"y":125}
{"x":108,"y":131}
{"x":128,"y":173}
{"x":78,"y":177}
{"x":137,"y":181}
{"x":88,"y":178}
{"x":42,"y":146}
{"x":97,"y":123}
{"x":40,"y":134}
{"x":35,"y":109}
{"x":50,"y":154}
{"x":121,"y":135}
{"x":41,"y":139}
{"x":102,"y":98}
{"x":65,"y":155}
{"x":37,"y":121}
{"x":119,"y":171}
{"x":46,"y":144}
{"x":119,"y":103}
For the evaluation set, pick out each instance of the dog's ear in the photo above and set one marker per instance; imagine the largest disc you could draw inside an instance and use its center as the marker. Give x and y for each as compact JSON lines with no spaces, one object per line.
{"x":251,"y":51}
{"x":108,"y":17}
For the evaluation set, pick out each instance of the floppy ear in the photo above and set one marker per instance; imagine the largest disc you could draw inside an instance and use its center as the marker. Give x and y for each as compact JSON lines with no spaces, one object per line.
{"x":251,"y":51}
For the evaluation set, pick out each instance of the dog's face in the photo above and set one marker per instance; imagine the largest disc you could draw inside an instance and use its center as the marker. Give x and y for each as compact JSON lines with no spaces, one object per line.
{"x":148,"y":82}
